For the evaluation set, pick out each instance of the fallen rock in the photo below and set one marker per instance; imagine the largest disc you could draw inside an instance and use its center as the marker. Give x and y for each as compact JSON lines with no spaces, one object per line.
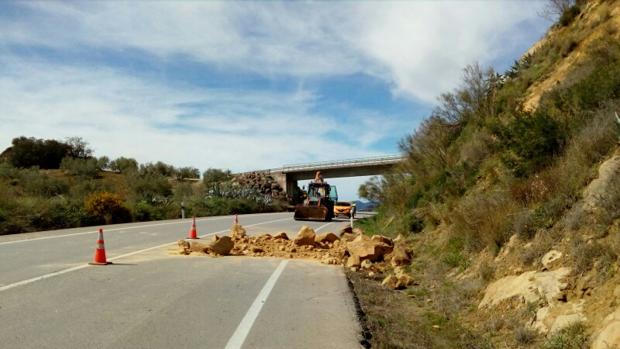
{"x":353,"y":261}
{"x":609,"y":335}
{"x":220,"y":245}
{"x":550,"y":257}
{"x":281,"y":236}
{"x":187,"y":247}
{"x":365,"y":248}
{"x":529,"y":287}
{"x":347,"y":237}
{"x":326,"y":237}
{"x":330,"y":260}
{"x":390,"y":281}
{"x":404,"y":280}
{"x":346,"y":230}
{"x":305,"y":236}
{"x":401,"y":255}
{"x":366,"y":264}
{"x":383,"y":239}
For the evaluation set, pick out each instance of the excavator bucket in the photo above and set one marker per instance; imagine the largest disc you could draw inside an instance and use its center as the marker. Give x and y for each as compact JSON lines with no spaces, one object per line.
{"x":311,"y":213}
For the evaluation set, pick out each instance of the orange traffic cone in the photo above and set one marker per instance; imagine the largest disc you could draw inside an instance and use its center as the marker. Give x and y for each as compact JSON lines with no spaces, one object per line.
{"x":99,"y":258}
{"x":193,"y":234}
{"x":236,"y":220}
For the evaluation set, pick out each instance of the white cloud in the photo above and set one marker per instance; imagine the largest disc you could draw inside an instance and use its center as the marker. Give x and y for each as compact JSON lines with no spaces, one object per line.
{"x":418,"y":47}
{"x":126,"y":116}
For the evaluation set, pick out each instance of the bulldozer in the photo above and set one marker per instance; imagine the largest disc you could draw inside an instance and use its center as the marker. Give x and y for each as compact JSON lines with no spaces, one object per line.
{"x":319,"y":203}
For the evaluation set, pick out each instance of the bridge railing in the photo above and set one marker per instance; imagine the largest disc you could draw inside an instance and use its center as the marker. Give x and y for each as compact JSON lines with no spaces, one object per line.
{"x":367,"y":161}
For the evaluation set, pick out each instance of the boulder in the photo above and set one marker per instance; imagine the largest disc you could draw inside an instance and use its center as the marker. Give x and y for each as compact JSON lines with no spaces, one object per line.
{"x":390,"y":281}
{"x":366,"y":264}
{"x":550,"y":258}
{"x":353,"y":261}
{"x":326,"y":237}
{"x":305,"y":236}
{"x":401,"y":255}
{"x":366,"y":248}
{"x":330,"y":260}
{"x":347,"y":237}
{"x":346,"y":230}
{"x":383,"y":239}
{"x":220,"y":245}
{"x":404,"y":281}
{"x":528,"y":287}
{"x":609,"y":335}
{"x":281,"y":236}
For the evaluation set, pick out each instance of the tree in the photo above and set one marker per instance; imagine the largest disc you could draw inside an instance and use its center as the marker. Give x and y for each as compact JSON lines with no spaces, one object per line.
{"x":78,"y":148}
{"x":124,"y":165}
{"x":372,"y":189}
{"x":214,"y":176}
{"x":188,"y":172}
{"x":28,"y":152}
{"x":159,"y":168}
{"x":555,"y":8}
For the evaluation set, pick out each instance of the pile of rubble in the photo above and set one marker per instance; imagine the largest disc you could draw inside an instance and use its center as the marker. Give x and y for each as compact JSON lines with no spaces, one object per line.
{"x":261,"y":183}
{"x":376,"y":256}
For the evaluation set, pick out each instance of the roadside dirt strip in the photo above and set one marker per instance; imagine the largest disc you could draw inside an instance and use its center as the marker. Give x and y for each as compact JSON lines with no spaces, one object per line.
{"x":151,"y":299}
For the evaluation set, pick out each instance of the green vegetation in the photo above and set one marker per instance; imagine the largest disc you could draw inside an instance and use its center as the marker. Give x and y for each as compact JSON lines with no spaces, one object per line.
{"x":50,"y":184}
{"x":508,"y":154}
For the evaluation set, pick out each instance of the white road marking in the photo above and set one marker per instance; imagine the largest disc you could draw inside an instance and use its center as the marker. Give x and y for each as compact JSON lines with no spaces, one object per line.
{"x":242,"y":331}
{"x":321,"y":227}
{"x":82,"y":266}
{"x":185,"y":221}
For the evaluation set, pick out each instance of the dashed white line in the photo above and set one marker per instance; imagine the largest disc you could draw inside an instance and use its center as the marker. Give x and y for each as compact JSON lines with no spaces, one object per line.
{"x":242,"y":331}
{"x":82,"y":266}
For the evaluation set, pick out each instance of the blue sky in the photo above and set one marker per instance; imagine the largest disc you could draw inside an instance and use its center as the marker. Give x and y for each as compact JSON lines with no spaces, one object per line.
{"x":244,"y":85}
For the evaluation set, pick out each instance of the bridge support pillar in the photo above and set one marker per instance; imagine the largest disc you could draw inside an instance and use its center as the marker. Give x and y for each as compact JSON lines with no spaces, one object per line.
{"x":286,"y":182}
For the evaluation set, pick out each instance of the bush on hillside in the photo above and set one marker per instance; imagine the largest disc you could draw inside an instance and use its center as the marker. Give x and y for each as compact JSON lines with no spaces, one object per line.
{"x":108,"y":207}
{"x":81,"y":167}
{"x":124,"y":165}
{"x":530,"y":142}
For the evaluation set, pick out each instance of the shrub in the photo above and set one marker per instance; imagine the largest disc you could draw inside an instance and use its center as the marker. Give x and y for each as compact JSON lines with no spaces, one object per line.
{"x":124,"y":165}
{"x":569,"y":15}
{"x":151,"y":187}
{"x":484,"y":219}
{"x":573,"y":336}
{"x":108,"y":207}
{"x":81,"y":167}
{"x":524,"y":335}
{"x":530,"y":142}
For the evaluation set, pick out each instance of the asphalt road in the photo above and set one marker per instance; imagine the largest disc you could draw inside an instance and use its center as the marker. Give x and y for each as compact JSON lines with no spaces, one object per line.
{"x":149,"y":298}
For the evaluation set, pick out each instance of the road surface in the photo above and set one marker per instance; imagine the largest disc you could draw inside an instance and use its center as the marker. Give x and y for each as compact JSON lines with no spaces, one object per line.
{"x":149,"y":298}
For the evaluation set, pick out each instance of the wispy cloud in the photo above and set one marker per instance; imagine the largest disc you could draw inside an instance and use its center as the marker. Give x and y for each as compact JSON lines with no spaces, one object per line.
{"x":203,"y":127}
{"x":254,"y":93}
{"x":419,"y":47}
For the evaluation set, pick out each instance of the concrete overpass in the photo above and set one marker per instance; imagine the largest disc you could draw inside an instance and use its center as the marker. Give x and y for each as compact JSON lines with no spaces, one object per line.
{"x":288,"y":175}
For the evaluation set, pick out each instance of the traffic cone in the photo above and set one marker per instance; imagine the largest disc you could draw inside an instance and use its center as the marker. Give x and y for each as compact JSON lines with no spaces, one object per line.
{"x":99,"y":258}
{"x":236,"y":220}
{"x":193,"y":234}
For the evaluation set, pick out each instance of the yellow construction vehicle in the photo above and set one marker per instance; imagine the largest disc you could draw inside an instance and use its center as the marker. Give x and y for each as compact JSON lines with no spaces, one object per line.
{"x":319,"y":204}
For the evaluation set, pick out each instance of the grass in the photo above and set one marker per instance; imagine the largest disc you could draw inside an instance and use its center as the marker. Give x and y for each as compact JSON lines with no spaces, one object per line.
{"x":396,"y":320}
{"x":573,"y":336}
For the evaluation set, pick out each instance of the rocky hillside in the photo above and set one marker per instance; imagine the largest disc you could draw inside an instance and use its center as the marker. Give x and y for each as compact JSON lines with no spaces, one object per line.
{"x":511,"y":203}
